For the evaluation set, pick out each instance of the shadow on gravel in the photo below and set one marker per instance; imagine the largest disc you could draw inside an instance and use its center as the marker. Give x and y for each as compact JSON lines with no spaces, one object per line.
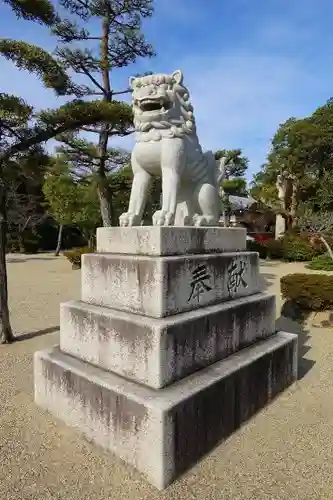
{"x":266,"y":280}
{"x":271,"y":263}
{"x":38,"y":333}
{"x":292,"y":320}
{"x":26,"y":258}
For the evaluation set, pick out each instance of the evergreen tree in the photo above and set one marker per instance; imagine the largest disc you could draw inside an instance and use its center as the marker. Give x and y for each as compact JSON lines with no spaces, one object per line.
{"x":235,"y":163}
{"x":94,"y":54}
{"x":23,"y":131}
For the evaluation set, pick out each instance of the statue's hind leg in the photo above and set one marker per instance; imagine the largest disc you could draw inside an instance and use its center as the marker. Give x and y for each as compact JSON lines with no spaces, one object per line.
{"x":208,"y":202}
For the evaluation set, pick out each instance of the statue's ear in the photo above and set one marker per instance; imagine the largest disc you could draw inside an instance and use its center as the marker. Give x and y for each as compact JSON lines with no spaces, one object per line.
{"x":178,"y":76}
{"x":131,"y":81}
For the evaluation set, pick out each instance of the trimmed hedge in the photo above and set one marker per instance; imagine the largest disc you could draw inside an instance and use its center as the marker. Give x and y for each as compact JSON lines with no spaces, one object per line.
{"x":321,"y":263}
{"x":310,"y":291}
{"x":74,"y":256}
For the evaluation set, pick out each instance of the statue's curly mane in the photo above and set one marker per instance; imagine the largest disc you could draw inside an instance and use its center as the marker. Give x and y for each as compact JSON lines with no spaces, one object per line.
{"x":173,"y":126}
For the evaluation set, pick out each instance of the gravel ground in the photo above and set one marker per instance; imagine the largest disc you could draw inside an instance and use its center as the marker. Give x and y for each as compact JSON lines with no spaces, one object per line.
{"x":284,"y":452}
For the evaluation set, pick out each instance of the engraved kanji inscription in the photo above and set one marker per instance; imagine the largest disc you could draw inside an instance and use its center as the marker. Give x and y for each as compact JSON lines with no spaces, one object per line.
{"x":200,"y":282}
{"x":236,"y":272}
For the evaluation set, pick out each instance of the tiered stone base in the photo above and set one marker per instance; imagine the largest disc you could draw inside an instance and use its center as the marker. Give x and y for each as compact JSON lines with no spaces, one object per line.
{"x":171,"y":348}
{"x":162,"y":433}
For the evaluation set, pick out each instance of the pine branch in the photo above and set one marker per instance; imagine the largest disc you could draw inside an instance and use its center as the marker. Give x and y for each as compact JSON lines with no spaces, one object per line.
{"x":93,"y":79}
{"x":72,"y":116}
{"x":41,"y":11}
{"x":11,"y":105}
{"x":36,"y":60}
{"x":10,"y":130}
{"x":79,"y":7}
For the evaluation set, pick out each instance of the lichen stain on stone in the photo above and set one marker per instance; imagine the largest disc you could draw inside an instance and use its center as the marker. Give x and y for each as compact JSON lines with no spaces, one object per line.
{"x":175,"y":269}
{"x":80,"y":318}
{"x":114,"y":410}
{"x":197,"y":242}
{"x":130,"y":334}
{"x":146,"y":272}
{"x":215,"y":413}
{"x":202,"y":421}
{"x":134,"y":336}
{"x":215,"y":335}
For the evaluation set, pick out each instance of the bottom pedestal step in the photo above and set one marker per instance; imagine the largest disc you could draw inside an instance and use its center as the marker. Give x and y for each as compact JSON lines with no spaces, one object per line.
{"x":163,"y":432}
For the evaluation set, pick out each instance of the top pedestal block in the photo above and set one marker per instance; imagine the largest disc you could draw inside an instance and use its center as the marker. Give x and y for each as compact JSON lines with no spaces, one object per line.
{"x":170,"y":240}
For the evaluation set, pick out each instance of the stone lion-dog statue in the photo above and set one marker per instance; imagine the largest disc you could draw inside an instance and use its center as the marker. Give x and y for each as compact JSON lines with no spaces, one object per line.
{"x":167,"y":144}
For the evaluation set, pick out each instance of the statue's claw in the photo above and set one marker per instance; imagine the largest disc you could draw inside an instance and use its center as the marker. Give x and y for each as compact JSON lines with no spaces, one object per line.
{"x":163,"y":218}
{"x":129,"y":219}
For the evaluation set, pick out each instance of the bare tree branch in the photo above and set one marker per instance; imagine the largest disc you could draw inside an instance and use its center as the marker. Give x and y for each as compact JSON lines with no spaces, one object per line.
{"x":92,"y":79}
{"x":120,"y":92}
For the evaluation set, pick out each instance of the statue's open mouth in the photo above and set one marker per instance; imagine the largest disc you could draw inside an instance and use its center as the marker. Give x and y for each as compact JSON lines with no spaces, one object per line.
{"x":155,"y":105}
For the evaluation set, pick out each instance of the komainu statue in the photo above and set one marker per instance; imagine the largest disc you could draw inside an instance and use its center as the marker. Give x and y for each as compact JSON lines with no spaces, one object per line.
{"x":167,"y":145}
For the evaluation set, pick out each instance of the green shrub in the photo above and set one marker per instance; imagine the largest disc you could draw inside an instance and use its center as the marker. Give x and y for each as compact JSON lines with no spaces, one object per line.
{"x":291,"y":247}
{"x":30,"y":242}
{"x":74,"y":256}
{"x":12,"y":245}
{"x":255,"y":246}
{"x":297,"y":249}
{"x":274,"y":249}
{"x":309,"y":291}
{"x":321,"y":263}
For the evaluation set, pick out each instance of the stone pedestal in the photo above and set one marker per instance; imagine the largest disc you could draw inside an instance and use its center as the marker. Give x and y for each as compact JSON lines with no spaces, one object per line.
{"x":171,"y":349}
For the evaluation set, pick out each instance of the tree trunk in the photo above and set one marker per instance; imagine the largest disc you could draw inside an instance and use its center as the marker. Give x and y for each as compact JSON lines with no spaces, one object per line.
{"x":104,"y":190}
{"x":61,"y":229}
{"x":327,"y":246}
{"x":6,"y":334}
{"x":105,"y":199}
{"x":20,"y":241}
{"x":91,"y":241}
{"x":293,"y":204}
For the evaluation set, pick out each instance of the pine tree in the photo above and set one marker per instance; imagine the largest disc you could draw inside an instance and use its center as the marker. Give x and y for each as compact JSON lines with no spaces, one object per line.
{"x":94,"y":55}
{"x":235,"y":163}
{"x":23,"y":131}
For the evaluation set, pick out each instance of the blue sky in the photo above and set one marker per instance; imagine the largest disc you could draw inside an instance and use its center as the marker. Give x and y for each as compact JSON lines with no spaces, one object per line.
{"x":249,"y":65}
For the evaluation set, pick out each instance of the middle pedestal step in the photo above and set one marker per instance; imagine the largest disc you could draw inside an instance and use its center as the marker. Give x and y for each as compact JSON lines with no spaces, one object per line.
{"x":157,"y":352}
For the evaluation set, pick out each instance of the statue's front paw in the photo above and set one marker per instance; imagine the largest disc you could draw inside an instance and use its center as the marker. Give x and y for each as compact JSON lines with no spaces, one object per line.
{"x":129,"y":219}
{"x":203,"y":220}
{"x":163,"y":218}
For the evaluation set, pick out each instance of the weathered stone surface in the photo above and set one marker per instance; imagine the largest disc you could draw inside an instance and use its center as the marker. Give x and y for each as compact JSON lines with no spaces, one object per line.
{"x":162,"y":433}
{"x":166,"y":240}
{"x":162,"y":286}
{"x":157,"y":352}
